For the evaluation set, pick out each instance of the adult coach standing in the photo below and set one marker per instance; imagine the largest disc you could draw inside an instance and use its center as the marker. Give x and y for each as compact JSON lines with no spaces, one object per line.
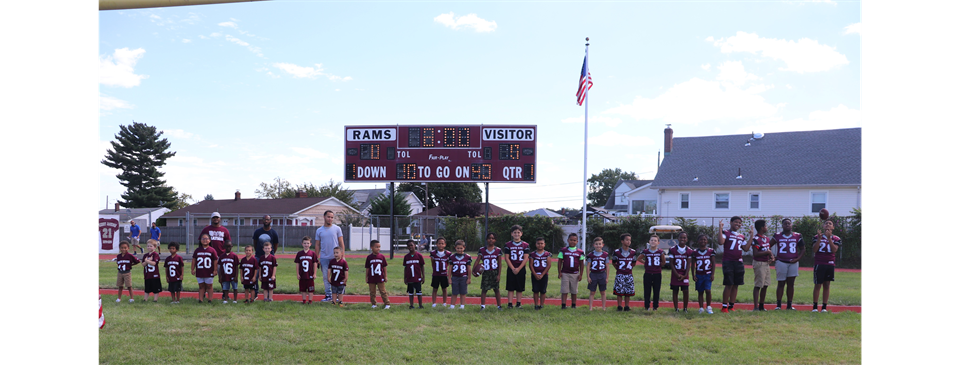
{"x":261,"y":236}
{"x":218,"y":234}
{"x":135,"y":235}
{"x":328,"y":236}
{"x":155,"y":232}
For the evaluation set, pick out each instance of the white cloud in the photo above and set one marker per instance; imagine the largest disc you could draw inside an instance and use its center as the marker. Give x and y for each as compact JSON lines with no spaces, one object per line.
{"x":852,"y":29}
{"x":805,"y":55}
{"x":839,"y":117}
{"x":302,"y":72}
{"x":310,"y":152}
{"x":732,"y":72}
{"x":696,"y":101}
{"x":466,"y":21}
{"x":215,"y":34}
{"x":610,"y":122}
{"x":240,"y":42}
{"x":179,"y":133}
{"x":228,"y":24}
{"x":117,"y":70}
{"x":106,"y":103}
{"x":706,"y":66}
{"x":186,"y":40}
{"x":613,"y":138}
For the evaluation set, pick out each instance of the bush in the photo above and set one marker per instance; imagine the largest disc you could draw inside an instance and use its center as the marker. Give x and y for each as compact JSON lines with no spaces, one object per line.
{"x":470,"y":230}
{"x":639,"y":229}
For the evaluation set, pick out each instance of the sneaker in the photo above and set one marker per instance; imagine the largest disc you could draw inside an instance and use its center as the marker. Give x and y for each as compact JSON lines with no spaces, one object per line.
{"x":724,"y":310}
{"x":234,"y":302}
{"x":434,"y":305}
{"x":421,"y":306}
{"x":387,"y":306}
{"x":563,"y":306}
{"x":327,"y":299}
{"x":341,"y":304}
{"x":776,"y":309}
{"x":701,"y":311}
{"x":709,"y":310}
{"x":685,"y":311}
{"x":118,"y":300}
{"x":815,"y":310}
{"x":224,"y":302}
{"x":482,"y":307}
{"x":411,"y":307}
{"x":763,"y":309}
{"x":518,"y":306}
{"x":452,"y":306}
{"x":572,"y":306}
{"x":509,"y":305}
{"x":461,"y":306}
{"x":499,"y":308}
{"x":791,"y":308}
{"x":824,"y":311}
{"x":619,"y":309}
{"x":131,"y":300}
{"x":676,"y":310}
{"x":374,"y":306}
{"x":626,"y":309}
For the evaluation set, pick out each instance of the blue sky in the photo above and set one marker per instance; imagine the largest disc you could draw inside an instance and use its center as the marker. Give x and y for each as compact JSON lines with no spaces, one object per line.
{"x":251,"y":91}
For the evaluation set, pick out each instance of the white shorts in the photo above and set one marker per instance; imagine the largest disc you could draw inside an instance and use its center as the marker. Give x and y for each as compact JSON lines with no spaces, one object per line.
{"x":785,"y":270}
{"x":205,"y":280}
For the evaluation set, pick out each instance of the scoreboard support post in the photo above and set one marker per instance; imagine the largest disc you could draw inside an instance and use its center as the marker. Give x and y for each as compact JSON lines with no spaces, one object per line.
{"x":393,"y":236}
{"x":486,"y":212}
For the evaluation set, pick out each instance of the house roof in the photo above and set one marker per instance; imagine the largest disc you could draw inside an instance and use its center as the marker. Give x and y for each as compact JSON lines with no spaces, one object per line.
{"x":253,"y":206}
{"x":632,"y":184}
{"x":543,"y":212}
{"x":369,"y":194}
{"x":825,"y":157}
{"x":126,"y":214}
{"x":494,"y":211}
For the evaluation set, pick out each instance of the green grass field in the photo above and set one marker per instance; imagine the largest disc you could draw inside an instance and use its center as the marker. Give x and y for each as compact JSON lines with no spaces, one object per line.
{"x":844,"y":291}
{"x":289,"y":332}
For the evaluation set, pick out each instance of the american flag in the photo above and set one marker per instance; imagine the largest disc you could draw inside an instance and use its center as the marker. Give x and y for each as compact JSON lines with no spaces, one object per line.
{"x":586,"y":82}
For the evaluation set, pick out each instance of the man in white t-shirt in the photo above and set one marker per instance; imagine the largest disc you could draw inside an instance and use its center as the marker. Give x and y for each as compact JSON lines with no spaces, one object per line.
{"x":328,"y":236}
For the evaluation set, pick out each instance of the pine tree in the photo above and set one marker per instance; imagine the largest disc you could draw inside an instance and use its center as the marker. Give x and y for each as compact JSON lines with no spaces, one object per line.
{"x":139,"y":153}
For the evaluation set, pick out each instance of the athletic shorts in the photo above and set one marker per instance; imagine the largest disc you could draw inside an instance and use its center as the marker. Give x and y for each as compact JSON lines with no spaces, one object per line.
{"x":597,"y":280}
{"x":733,"y":273}
{"x":134,"y":241}
{"x":785,"y":270}
{"x":439,"y":282}
{"x":306,"y":285}
{"x":488,"y":281}
{"x":679,"y":287}
{"x":152,"y":285}
{"x":268,"y":284}
{"x":761,"y":274}
{"x":124,"y":280}
{"x":205,"y":281}
{"x":459,"y":285}
{"x":569,"y":283}
{"x":539,"y":286}
{"x":704,"y":282}
{"x":516,"y":282}
{"x":822,"y":273}
{"x":623,"y":285}
{"x":414,"y":288}
{"x":249,"y":286}
{"x":175,"y":286}
{"x":337,"y":289}
{"x":227,"y":285}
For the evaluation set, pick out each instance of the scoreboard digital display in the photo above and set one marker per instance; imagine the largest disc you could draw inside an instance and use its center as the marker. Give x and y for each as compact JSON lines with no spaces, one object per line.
{"x":441,"y":153}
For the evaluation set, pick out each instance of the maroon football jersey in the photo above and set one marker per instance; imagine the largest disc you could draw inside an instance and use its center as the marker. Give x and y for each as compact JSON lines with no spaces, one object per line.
{"x":540,"y":261}
{"x":787,"y":247}
{"x":489,"y":260}
{"x":204,"y":259}
{"x":218,"y":235}
{"x":460,"y":265}
{"x":376,"y":265}
{"x":680,"y":260}
{"x":126,"y":261}
{"x":228,"y":267}
{"x":760,"y":244}
{"x":108,"y":228}
{"x":151,"y":271}
{"x":624,"y":260}
{"x":248,"y":270}
{"x":174,"y":267}
{"x":439,"y":261}
{"x":413,"y":267}
{"x":338,"y":270}
{"x":597,"y":261}
{"x":731,"y":246}
{"x":652,"y":261}
{"x":704,"y":261}
{"x":824,"y":255}
{"x":516,"y":251}
{"x":571,"y":261}
{"x":267,"y":266}
{"x":306,"y":264}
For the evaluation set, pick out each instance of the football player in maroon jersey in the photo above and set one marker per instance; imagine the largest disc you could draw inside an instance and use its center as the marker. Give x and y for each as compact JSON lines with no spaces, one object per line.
{"x":788,"y":248}
{"x":204,"y":267}
{"x":268,"y":272}
{"x":733,"y":243}
{"x":376,"y":273}
{"x":598,"y":262}
{"x":762,"y":258}
{"x":250,"y":271}
{"x":174,"y":269}
{"x":151,"y":271}
{"x":624,"y":258}
{"x":337,"y":274}
{"x":705,"y":263}
{"x":229,"y":263}
{"x":307,"y":262}
{"x":439,"y":260}
{"x":653,"y":260}
{"x":458,"y":275}
{"x":539,"y":273}
{"x":519,"y":255}
{"x":413,"y":273}
{"x":125,"y":262}
{"x":489,"y":258}
{"x":681,"y":258}
{"x":826,"y":245}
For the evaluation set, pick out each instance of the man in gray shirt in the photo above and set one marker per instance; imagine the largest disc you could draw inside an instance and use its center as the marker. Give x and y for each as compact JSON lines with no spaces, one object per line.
{"x":328,"y":236}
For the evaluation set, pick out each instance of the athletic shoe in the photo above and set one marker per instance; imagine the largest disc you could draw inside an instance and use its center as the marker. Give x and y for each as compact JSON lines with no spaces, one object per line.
{"x":626,"y":308}
{"x":461,"y":306}
{"x":224,"y":302}
{"x":411,"y":307}
{"x":791,"y":308}
{"x":499,"y":308}
{"x":724,"y":310}
{"x":776,"y":309}
{"x":118,"y":300}
{"x":434,"y":305}
{"x":452,"y":306}
{"x":684,"y":310}
{"x":386,"y":306}
{"x":824,"y":311}
{"x":421,"y":306}
{"x":482,"y":307}
{"x":518,"y":306}
{"x":509,"y":305}
{"x":374,"y":306}
{"x":572,"y":306}
{"x":709,"y":310}
{"x":701,"y":311}
{"x":234,"y":302}
{"x":563,"y":306}
{"x":327,"y":299}
{"x":763,"y":309}
{"x":815,"y":310}
{"x":131,"y":300}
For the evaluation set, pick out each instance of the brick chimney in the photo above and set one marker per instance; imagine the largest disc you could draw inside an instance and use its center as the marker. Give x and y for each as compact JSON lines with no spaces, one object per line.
{"x":667,"y":141}
{"x":116,"y":207}
{"x":236,"y":196}
{"x":301,"y":194}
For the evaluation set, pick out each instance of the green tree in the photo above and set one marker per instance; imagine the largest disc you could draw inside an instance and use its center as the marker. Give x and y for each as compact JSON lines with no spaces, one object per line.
{"x":381,"y":205}
{"x":282,"y":189}
{"x":183,"y":200}
{"x":461,"y":208}
{"x":208,"y":197}
{"x":601,"y":185}
{"x":139,"y":153}
{"x":273,"y":190}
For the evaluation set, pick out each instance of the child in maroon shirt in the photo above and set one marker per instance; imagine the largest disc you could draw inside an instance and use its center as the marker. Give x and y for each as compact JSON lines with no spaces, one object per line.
{"x":376,"y":272}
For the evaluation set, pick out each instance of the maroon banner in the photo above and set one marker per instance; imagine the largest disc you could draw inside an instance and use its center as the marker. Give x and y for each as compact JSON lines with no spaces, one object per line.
{"x":108,"y":228}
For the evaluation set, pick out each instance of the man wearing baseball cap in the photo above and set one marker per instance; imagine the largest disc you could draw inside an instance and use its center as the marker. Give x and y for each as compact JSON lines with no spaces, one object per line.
{"x":218,"y":234}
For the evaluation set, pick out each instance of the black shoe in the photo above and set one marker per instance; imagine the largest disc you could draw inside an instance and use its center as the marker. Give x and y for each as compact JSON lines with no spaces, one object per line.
{"x":411,"y":307}
{"x":509,"y":305}
{"x":563,"y":306}
{"x":537,"y":307}
{"x":421,"y":306}
{"x":619,"y":309}
{"x":572,"y":306}
{"x":626,"y":309}
{"x":518,"y":305}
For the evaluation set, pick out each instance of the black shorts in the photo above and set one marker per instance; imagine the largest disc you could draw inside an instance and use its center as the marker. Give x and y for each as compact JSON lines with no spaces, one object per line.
{"x":598,"y":280}
{"x":152,"y":285}
{"x":679,"y":287}
{"x":516,"y":282}
{"x":539,"y":286}
{"x":249,"y":286}
{"x":733,"y":273}
{"x":175,"y":286}
{"x":822,"y":273}
{"x":439,"y":282}
{"x":414,"y":288}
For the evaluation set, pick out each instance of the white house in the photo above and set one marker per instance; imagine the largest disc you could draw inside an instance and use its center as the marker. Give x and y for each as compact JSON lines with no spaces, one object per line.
{"x":631,"y":197}
{"x":787,"y":174}
{"x":364,"y":198}
{"x":143,"y":216}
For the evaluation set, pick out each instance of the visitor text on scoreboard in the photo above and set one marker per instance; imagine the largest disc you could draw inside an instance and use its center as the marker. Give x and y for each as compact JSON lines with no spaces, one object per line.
{"x":432,"y":153}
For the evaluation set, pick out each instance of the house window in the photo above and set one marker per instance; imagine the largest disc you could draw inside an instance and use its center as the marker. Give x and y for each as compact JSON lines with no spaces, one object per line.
{"x":194,"y":222}
{"x":684,"y":200}
{"x":818,"y":200}
{"x":179,"y":222}
{"x":721,"y":200}
{"x":275,"y":221}
{"x":755,"y":201}
{"x":241,"y":221}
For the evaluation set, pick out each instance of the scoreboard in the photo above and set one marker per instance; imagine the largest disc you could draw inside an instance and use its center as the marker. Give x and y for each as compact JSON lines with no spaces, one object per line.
{"x":437,"y":153}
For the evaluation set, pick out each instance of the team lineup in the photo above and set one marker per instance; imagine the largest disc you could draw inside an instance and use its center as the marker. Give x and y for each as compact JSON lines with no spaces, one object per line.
{"x":257,"y":271}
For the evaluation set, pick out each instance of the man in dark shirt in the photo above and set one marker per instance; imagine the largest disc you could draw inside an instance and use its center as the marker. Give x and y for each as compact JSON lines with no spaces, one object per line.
{"x":260,"y":236}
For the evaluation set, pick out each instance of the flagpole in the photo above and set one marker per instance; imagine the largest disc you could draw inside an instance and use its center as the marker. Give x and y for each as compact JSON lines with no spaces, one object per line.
{"x":586,"y":105}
